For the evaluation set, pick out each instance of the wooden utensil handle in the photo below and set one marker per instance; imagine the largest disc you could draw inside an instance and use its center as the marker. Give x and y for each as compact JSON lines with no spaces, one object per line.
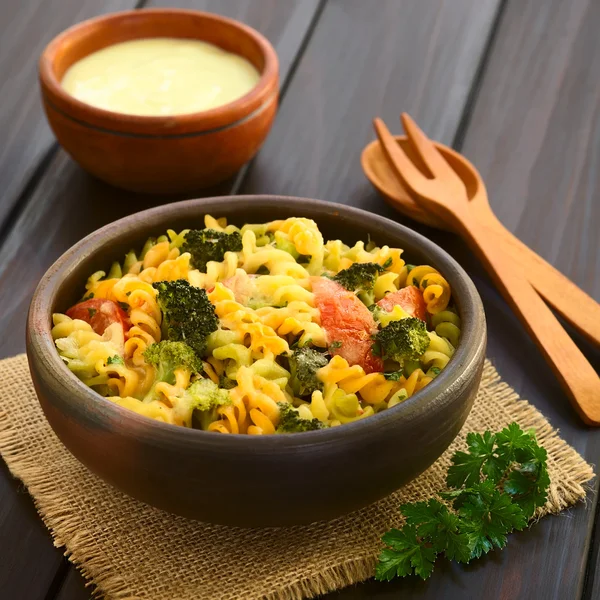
{"x":576,"y":375}
{"x":570,"y":301}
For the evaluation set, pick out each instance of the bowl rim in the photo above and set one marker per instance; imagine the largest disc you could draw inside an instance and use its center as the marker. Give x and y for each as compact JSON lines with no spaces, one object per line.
{"x":205,"y":121}
{"x":40,"y":344}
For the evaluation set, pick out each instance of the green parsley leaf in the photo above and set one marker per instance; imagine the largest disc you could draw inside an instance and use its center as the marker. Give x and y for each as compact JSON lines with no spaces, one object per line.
{"x":387,"y":264}
{"x":115,"y":360}
{"x":468,"y":466}
{"x":436,"y":524}
{"x":498,"y":483}
{"x":488,"y":517}
{"x":404,"y":555}
{"x":409,"y":268}
{"x":511,"y":440}
{"x":528,"y":483}
{"x":124,"y":306}
{"x":92,"y":312}
{"x":335,"y":345}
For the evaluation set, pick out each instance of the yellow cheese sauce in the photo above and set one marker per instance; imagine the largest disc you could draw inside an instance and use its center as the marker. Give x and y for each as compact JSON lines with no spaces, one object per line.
{"x":160,"y":76}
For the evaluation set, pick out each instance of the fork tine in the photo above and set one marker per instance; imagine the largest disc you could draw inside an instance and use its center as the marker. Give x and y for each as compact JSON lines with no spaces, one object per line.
{"x":406,"y":170}
{"x":426,"y":149}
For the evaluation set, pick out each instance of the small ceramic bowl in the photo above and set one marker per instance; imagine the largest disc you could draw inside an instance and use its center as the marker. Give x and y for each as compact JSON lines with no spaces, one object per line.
{"x":160,"y":154}
{"x":243,"y":480}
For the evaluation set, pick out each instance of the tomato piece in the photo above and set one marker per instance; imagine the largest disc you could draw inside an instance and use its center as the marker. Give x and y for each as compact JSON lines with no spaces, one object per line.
{"x":348,"y":323}
{"x":409,"y":298}
{"x":100,"y":313}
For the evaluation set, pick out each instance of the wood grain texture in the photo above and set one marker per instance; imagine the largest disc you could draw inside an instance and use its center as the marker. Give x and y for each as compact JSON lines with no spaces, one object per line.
{"x":592,"y":583}
{"x":74,"y":587}
{"x":535,"y":132}
{"x":534,"y":136}
{"x":25,"y":29}
{"x":29,"y":560}
{"x":418,"y":56}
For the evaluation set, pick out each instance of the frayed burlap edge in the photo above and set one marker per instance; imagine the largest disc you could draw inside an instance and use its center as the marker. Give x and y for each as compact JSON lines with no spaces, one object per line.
{"x":49,"y":503}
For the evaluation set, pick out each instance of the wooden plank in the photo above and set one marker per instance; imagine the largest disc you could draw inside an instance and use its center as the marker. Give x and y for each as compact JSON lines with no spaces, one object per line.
{"x":74,"y":587}
{"x":418,"y":56}
{"x":592,"y":584}
{"x":73,"y":204}
{"x":25,"y":29}
{"x":29,"y":560}
{"x":315,"y":153}
{"x":537,"y":118}
{"x":534,"y":135}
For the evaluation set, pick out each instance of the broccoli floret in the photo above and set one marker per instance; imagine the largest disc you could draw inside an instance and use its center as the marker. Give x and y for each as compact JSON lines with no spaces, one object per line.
{"x":304,"y":364}
{"x":406,"y":339}
{"x":167,"y":356}
{"x":360,"y":278}
{"x":205,"y":397}
{"x":188,"y":315}
{"x":226,"y":383}
{"x":208,"y":244}
{"x":290,"y":420}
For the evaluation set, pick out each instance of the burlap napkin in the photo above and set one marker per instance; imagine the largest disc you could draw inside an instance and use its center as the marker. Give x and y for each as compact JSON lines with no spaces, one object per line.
{"x":130,"y":550}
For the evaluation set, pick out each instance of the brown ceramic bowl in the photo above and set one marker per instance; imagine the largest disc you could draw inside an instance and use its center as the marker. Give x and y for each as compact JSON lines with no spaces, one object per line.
{"x":239,"y":479}
{"x":171,"y":154}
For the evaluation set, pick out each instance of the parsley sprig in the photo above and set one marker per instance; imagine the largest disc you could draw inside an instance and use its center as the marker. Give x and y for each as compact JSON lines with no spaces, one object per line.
{"x":497,"y":485}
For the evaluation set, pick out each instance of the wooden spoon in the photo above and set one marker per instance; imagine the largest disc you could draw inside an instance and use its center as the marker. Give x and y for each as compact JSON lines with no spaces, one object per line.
{"x":570,"y":301}
{"x":444,"y":194}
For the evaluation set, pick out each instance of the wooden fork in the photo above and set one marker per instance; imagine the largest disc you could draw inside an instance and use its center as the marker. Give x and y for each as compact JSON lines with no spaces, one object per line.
{"x":444,"y":195}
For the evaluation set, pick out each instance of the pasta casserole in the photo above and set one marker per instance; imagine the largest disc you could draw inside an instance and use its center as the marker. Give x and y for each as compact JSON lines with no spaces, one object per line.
{"x":260,"y":329}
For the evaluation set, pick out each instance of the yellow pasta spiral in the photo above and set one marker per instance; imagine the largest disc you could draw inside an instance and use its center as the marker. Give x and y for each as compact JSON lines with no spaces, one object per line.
{"x":215,"y":271}
{"x":169,"y":270}
{"x":373,"y":388}
{"x":87,"y":354}
{"x":439,"y":352}
{"x":304,"y":234}
{"x":447,"y":325}
{"x":254,"y":407}
{"x":263,"y":340}
{"x":277,"y":262}
{"x":436,"y":290}
{"x":296,"y":319}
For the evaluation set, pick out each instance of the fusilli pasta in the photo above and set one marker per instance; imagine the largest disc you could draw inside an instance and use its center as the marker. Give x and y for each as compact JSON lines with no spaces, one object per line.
{"x":261,"y":329}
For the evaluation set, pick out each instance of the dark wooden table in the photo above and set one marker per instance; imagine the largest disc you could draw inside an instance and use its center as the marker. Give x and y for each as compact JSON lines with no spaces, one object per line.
{"x":513,"y":84}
